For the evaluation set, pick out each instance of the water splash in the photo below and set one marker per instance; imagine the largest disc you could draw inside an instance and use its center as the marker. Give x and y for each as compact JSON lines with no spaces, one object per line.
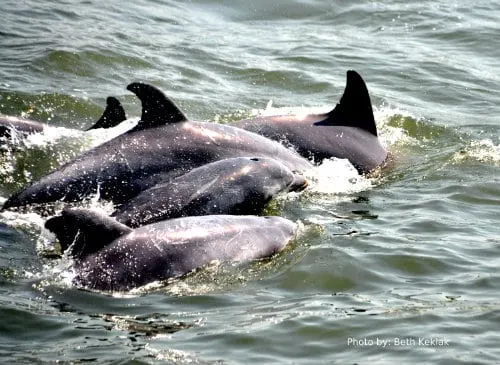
{"x":25,"y":159}
{"x":484,"y":150}
{"x":393,"y":134}
{"x":337,"y":177}
{"x":30,"y":223}
{"x":83,"y":139}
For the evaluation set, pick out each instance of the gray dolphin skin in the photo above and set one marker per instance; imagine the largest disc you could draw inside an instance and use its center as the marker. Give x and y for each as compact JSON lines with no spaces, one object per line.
{"x":171,"y":248}
{"x":85,"y":231}
{"x":163,"y":145}
{"x":348,"y":131}
{"x":239,"y":186}
{"x":112,"y":116}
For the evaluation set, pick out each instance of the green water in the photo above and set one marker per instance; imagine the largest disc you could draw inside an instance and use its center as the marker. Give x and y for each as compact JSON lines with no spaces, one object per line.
{"x":401,"y":267}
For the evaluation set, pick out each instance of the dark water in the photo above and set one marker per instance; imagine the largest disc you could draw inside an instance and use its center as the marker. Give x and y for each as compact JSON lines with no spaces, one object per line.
{"x":397,"y":268}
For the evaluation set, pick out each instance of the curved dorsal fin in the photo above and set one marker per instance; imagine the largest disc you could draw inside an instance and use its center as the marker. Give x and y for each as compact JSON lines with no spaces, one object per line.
{"x":354,"y":108}
{"x":157,"y":109}
{"x":112,"y":116}
{"x":85,"y":230}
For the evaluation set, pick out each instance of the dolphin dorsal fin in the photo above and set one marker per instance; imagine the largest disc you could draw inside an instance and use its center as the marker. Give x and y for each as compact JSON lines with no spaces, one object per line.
{"x":354,"y":108}
{"x":85,"y":230}
{"x":112,"y":116}
{"x":157,"y":109}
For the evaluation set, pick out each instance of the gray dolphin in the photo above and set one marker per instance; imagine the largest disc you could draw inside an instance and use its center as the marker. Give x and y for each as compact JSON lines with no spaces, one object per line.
{"x":348,"y":131}
{"x":163,"y":145}
{"x":131,"y":258}
{"x":113,"y":115}
{"x":239,"y":185}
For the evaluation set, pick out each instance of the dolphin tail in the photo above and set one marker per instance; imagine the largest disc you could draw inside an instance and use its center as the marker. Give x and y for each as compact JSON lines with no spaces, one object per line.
{"x":85,"y":230}
{"x":157,"y":109}
{"x":354,"y":108}
{"x":112,"y":116}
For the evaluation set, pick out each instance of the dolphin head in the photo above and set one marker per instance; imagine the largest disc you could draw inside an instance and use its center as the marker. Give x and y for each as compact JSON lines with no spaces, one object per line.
{"x":276,"y":177}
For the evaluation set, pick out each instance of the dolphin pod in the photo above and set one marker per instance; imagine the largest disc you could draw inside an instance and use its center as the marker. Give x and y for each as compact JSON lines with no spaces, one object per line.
{"x":179,"y":186}
{"x":163,"y":145}
{"x":112,"y":116}
{"x":348,"y":131}
{"x":131,"y":258}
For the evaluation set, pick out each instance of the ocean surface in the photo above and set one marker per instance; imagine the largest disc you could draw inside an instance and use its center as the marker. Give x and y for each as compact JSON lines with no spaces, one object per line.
{"x":398,"y":267}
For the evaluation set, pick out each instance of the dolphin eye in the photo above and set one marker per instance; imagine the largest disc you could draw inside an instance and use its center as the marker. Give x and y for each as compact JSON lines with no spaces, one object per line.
{"x":254,"y":159}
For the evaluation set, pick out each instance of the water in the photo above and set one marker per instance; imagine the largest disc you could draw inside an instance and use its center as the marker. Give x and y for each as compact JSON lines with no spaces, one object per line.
{"x":395,"y":268}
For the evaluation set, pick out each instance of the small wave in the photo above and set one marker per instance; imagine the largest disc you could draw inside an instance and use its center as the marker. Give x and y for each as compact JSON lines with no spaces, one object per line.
{"x":51,"y":135}
{"x":171,"y":355}
{"x":484,"y":150}
{"x":391,"y":133}
{"x":84,"y":63}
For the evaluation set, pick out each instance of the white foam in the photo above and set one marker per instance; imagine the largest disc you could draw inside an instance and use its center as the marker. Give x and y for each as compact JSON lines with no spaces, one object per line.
{"x":391,"y":136}
{"x":270,"y":110}
{"x":67,"y":138}
{"x":30,"y":223}
{"x":101,"y":135}
{"x":484,"y":150}
{"x":53,"y":135}
{"x":59,"y":272}
{"x":337,"y":177}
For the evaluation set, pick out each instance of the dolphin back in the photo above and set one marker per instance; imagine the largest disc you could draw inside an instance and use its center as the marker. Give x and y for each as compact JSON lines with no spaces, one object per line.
{"x":85,"y":231}
{"x":354,"y":108}
{"x":113,"y":115}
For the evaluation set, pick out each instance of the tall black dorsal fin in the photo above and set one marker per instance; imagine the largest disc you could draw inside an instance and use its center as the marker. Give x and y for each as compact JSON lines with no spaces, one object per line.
{"x":112,"y":116}
{"x":87,"y":230}
{"x":157,"y":109}
{"x":355,"y":107}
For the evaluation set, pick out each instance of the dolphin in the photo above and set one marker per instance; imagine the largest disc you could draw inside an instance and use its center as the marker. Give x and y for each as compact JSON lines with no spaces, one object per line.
{"x":130,"y":258}
{"x":113,"y":115}
{"x":348,"y":131}
{"x":239,"y":185}
{"x":163,"y":145}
